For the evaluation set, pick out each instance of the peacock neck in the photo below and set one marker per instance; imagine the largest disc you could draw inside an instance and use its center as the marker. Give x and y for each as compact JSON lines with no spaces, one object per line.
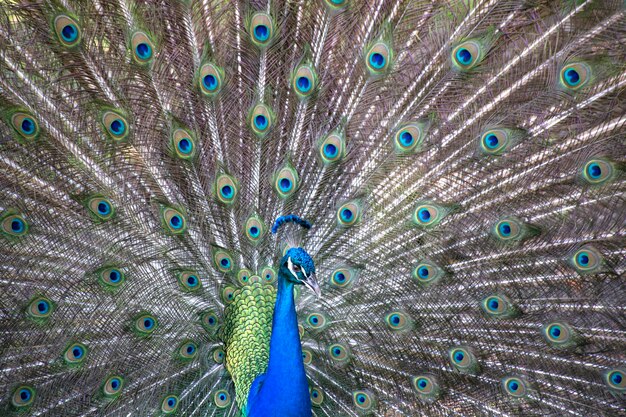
{"x":285,"y":349}
{"x":284,"y":389}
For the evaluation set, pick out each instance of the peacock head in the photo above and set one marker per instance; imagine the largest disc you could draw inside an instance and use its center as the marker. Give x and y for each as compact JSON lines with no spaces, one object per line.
{"x":298,"y":267}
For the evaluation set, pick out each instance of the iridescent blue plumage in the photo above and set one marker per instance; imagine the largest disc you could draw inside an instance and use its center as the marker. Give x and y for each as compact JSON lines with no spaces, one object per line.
{"x":290,"y":218}
{"x":283,"y":390}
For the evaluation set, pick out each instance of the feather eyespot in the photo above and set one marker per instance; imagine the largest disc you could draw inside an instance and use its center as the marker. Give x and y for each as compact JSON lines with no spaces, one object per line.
{"x":409,"y":137}
{"x":226,"y":189}
{"x":342,"y":277}
{"x":112,"y":386}
{"x":111,"y":277}
{"x":493,"y":305}
{"x":67,"y":30}
{"x":491,"y":141}
{"x":218,"y":355}
{"x":463,"y":56}
{"x":598,"y":171}
{"x":364,"y":400}
{"x":339,"y":353}
{"x":397,"y":321}
{"x":427,"y":273}
{"x":498,"y":306}
{"x":261,"y":29}
{"x":616,"y":380}
{"x":332,"y":148}
{"x":511,"y":230}
{"x":169,"y":405}
{"x":560,"y":335}
{"x":506,"y":230}
{"x":496,"y":141}
{"x":75,"y":354}
{"x":463,"y":360}
{"x":23,"y":396}
{"x":115,"y":125}
{"x":173,"y":220}
{"x":304,"y":81}
{"x":184,"y":144}
{"x":586,"y":260}
{"x":428,"y":214}
{"x":378,"y":58}
{"x":459,"y":357}
{"x":268,"y":274}
{"x":307,"y":356}
{"x":336,"y":4}
{"x":346,"y":214}
{"x":187,"y":351}
{"x":261,"y":119}
{"x":316,"y":321}
{"x":575,"y":76}
{"x":189,"y":281}
{"x":142,"y":47}
{"x":286,"y":181}
{"x":425,"y":214}
{"x":426,"y":387}
{"x":260,"y":122}
{"x":243,"y":276}
{"x":221,"y":398}
{"x":254,"y":228}
{"x":145,"y":324}
{"x":223,"y":261}
{"x":209,"y":321}
{"x":13,"y":225}
{"x":313,"y":320}
{"x":211,"y":79}
{"x":468,"y":54}
{"x":100,"y":208}
{"x":25,"y":125}
{"x":514,"y":386}
{"x":349,"y":214}
{"x":317,"y":396}
{"x":40,"y":308}
{"x":228,"y":294}
{"x":554,"y":332}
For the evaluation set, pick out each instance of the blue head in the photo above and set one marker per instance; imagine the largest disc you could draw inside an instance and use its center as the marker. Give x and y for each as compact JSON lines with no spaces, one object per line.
{"x":298,"y":267}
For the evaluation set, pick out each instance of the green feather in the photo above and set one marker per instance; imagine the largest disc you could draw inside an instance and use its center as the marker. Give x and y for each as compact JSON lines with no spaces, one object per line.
{"x":246,"y":334}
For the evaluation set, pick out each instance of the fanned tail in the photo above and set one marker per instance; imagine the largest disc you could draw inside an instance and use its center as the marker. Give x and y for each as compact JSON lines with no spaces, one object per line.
{"x":462,"y":164}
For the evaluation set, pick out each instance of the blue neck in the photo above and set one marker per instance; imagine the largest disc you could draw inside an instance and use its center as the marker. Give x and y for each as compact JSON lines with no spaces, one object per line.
{"x":285,"y":389}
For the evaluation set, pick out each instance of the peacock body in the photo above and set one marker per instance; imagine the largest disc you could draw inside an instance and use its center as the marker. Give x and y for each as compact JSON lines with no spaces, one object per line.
{"x":460,"y":166}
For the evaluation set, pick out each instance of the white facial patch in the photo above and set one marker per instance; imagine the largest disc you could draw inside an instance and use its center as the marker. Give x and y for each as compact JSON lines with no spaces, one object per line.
{"x":290,"y":267}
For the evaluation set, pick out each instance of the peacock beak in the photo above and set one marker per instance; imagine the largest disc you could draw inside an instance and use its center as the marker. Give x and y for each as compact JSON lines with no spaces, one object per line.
{"x":311,"y":283}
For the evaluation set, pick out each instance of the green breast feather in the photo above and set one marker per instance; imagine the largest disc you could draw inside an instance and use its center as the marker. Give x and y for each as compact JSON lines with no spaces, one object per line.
{"x":246,"y":335}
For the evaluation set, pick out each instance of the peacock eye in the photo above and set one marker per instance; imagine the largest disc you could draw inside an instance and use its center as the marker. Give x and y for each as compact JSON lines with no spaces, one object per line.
{"x":221,"y":398}
{"x":25,"y":125}
{"x":575,"y":75}
{"x":261,"y":29}
{"x":67,"y":30}
{"x":296,"y":268}
{"x":514,"y":386}
{"x":115,"y":125}
{"x":23,"y":396}
{"x":142,"y":47}
{"x":304,"y":81}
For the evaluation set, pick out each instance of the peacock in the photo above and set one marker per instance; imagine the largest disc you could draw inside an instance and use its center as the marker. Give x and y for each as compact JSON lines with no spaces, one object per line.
{"x":297,"y":208}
